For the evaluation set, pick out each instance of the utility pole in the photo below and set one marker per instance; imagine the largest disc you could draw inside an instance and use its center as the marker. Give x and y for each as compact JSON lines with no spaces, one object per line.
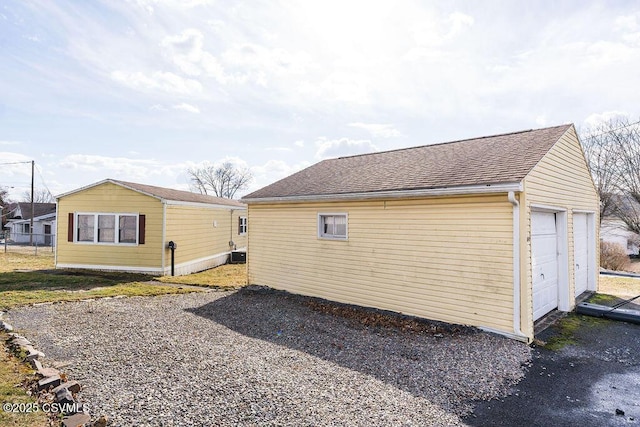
{"x":33,"y":163}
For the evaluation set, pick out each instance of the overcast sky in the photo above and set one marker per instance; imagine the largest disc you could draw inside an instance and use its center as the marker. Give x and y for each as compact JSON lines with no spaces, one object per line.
{"x":141,"y":90}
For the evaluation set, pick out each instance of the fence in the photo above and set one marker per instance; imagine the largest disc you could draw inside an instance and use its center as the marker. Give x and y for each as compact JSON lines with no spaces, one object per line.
{"x":27,"y":243}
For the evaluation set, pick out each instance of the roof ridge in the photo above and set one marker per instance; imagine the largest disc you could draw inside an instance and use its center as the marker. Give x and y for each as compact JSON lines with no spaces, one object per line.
{"x":150,"y":189}
{"x":450,"y":142}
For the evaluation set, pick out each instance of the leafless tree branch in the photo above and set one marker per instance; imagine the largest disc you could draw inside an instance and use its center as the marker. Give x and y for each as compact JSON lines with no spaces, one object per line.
{"x":224,"y":180}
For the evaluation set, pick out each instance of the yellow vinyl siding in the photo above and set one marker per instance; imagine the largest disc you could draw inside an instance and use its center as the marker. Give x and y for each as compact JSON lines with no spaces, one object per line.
{"x":562,"y":180}
{"x":192,"y":228}
{"x":447,"y":259}
{"x":110,"y":198}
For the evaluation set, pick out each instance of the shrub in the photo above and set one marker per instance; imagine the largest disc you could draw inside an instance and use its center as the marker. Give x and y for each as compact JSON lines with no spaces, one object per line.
{"x":613,"y":256}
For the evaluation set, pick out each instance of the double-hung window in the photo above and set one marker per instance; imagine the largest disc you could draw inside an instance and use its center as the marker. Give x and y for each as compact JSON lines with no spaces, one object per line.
{"x":242,"y":225}
{"x":332,"y":226}
{"x":107,"y":228}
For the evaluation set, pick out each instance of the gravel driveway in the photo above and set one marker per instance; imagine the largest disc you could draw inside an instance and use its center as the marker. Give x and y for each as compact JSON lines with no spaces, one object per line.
{"x":263,"y":357}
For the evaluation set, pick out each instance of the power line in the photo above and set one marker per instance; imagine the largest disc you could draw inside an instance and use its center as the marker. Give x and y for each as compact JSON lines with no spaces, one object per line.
{"x":15,"y":163}
{"x":43,"y":183}
{"x":613,"y":130}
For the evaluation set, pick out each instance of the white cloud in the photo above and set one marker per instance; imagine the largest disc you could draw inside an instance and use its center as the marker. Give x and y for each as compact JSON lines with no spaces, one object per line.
{"x":329,"y":148}
{"x":436,"y":32}
{"x":459,"y":22}
{"x":596,"y":119}
{"x":158,"y":80}
{"x":10,"y":142}
{"x":277,"y":149}
{"x":542,"y":120}
{"x":626,"y":23}
{"x":187,"y":107}
{"x":299,"y":143}
{"x":339,"y":86}
{"x":9,"y":157}
{"x":185,"y":50}
{"x":378,"y":129}
{"x":272,"y":171}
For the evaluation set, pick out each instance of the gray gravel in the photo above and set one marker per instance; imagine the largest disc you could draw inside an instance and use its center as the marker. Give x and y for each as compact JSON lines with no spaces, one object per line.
{"x":256,"y":357}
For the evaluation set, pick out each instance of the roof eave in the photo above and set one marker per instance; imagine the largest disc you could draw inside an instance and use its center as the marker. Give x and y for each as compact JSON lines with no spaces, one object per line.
{"x":211,"y":205}
{"x":504,"y":187}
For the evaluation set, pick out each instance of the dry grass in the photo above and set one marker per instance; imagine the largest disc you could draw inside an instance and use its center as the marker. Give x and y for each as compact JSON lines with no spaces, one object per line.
{"x":12,"y":261}
{"x":228,"y":275}
{"x":623,"y":287}
{"x":13,"y":374}
{"x":28,"y":279}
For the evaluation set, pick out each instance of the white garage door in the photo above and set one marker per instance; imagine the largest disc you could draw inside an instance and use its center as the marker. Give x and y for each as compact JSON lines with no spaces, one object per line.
{"x":544,"y":253}
{"x":581,"y":251}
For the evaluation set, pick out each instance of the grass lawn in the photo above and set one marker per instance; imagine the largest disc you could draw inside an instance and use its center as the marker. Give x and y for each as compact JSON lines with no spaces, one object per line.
{"x":623,"y":287}
{"x":228,"y":275}
{"x":12,"y":375}
{"x":27,"y":279}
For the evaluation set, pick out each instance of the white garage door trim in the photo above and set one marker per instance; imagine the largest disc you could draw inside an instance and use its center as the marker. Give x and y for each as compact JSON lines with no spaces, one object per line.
{"x":584,"y":252}
{"x":563,"y":301}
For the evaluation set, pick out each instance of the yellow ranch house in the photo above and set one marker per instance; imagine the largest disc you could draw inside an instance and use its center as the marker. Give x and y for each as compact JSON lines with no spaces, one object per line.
{"x":493,"y":232}
{"x":125,"y":226}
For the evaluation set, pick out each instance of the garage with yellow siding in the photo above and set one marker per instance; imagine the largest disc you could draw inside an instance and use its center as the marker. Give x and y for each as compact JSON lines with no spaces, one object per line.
{"x":476,"y":232}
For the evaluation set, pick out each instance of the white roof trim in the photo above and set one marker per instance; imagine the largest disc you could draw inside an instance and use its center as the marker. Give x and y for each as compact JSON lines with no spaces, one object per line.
{"x":210,"y":205}
{"x":395,"y":194}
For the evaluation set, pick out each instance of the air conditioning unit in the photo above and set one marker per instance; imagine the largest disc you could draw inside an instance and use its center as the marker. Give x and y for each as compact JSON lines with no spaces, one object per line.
{"x":238,"y":257}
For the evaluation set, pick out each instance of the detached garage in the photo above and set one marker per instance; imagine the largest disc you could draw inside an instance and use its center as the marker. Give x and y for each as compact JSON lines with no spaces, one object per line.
{"x":493,"y":232}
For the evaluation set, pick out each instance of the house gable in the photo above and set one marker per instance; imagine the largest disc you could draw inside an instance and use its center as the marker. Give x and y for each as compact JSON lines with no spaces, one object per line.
{"x":108,"y":197}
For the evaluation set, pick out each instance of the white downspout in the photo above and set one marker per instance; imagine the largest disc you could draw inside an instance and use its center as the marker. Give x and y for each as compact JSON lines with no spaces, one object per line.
{"x":516,"y":265}
{"x":164,"y":236}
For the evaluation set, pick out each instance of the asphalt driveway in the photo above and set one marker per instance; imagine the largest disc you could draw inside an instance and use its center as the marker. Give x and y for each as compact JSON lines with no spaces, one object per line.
{"x":592,"y":381}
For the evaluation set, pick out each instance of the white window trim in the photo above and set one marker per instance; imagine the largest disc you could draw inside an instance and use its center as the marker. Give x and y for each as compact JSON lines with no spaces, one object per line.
{"x":246,"y":226}
{"x":95,"y":228}
{"x":333,"y":237}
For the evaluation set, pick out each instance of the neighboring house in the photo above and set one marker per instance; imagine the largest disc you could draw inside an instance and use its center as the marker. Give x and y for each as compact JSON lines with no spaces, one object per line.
{"x":124,"y":226}
{"x":614,"y":230}
{"x":493,"y":232}
{"x":19,"y":223}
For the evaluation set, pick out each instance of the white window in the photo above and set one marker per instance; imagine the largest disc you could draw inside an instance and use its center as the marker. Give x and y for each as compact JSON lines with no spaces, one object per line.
{"x":26,"y":228}
{"x":242,"y":225}
{"x":107,"y":228}
{"x":332,"y":226}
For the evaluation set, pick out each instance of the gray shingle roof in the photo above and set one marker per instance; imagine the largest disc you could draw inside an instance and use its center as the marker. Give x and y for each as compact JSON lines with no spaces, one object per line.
{"x":39,"y":209}
{"x":178,"y":195}
{"x":497,"y":159}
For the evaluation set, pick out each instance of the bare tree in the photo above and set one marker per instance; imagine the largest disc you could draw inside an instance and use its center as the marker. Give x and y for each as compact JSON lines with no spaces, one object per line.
{"x":40,"y":195}
{"x":223,"y":180}
{"x":4,"y":196}
{"x":600,"y":152}
{"x":613,"y":153}
{"x":4,"y":201}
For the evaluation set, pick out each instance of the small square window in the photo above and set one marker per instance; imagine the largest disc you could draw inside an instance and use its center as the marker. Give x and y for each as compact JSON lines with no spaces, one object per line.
{"x":332,"y":226}
{"x":242,"y":225}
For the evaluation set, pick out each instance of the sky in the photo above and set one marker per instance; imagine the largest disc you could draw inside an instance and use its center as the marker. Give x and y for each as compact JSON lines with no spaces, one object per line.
{"x":143,"y":90}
